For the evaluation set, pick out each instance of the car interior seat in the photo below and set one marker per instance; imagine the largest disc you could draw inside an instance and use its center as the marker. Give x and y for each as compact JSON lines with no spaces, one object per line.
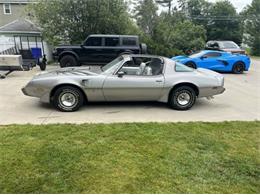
{"x":141,"y":69}
{"x":156,"y":66}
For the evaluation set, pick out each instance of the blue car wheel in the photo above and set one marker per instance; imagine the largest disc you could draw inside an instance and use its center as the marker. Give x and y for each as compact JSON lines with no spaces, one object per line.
{"x":238,"y":68}
{"x":191,"y":64}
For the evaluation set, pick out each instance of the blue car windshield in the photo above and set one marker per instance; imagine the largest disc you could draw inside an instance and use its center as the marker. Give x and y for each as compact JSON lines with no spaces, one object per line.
{"x":182,"y":68}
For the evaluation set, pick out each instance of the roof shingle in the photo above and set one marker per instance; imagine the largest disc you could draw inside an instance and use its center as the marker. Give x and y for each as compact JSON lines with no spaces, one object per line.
{"x":20,"y":26}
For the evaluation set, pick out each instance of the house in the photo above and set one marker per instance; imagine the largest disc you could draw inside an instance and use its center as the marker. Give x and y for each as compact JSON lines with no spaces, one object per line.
{"x":11,"y":10}
{"x":16,"y":30}
{"x":23,"y":34}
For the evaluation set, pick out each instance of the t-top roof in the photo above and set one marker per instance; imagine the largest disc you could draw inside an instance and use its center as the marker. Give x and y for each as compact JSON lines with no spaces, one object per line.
{"x":20,"y":26}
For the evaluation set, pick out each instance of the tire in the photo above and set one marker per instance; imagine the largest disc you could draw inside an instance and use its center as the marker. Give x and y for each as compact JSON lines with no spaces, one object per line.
{"x":238,"y":68}
{"x":42,"y":66}
{"x":68,"y":99}
{"x":68,"y":61}
{"x":182,"y":98}
{"x":191,"y":65}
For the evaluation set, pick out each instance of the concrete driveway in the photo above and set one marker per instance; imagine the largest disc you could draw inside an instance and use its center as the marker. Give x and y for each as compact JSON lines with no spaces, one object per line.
{"x":241,"y":101}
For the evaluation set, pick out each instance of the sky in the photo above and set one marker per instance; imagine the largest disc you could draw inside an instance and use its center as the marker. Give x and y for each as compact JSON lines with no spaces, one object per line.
{"x":238,"y":4}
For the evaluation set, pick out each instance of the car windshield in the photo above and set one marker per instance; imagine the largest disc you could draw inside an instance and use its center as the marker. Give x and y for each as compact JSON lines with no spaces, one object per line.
{"x":196,"y":54}
{"x":112,"y":65}
{"x":182,"y":68}
{"x":228,"y":45}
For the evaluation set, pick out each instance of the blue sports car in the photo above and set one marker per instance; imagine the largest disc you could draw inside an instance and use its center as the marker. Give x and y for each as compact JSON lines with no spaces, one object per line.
{"x":216,"y":60}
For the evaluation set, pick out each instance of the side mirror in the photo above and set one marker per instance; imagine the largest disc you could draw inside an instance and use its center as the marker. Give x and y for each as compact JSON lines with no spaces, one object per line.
{"x":120,"y":74}
{"x":82,"y":46}
{"x":203,"y":57}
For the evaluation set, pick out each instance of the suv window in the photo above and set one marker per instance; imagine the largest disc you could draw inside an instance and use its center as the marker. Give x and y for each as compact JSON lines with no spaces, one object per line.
{"x":94,"y":41}
{"x":112,"y":41}
{"x":212,"y":55}
{"x":129,"y":41}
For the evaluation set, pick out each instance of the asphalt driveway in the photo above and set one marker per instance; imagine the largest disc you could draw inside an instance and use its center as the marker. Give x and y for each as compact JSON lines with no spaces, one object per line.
{"x":240,"y":101}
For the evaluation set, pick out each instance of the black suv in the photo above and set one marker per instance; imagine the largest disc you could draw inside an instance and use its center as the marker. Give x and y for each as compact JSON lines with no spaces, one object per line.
{"x":98,"y":50}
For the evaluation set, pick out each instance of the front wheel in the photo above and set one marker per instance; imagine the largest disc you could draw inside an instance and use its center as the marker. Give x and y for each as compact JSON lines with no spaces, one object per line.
{"x":238,"y":68}
{"x":182,"y":98}
{"x":68,"y":99}
{"x":68,"y":61}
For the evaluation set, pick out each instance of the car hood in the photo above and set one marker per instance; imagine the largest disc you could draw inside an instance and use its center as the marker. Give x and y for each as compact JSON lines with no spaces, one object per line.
{"x":178,"y":58}
{"x":72,"y":71}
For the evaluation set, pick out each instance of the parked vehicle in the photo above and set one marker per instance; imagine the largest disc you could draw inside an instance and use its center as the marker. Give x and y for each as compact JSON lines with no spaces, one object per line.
{"x":217,"y":61}
{"x":228,"y":46}
{"x":98,"y":50}
{"x":127,"y":78}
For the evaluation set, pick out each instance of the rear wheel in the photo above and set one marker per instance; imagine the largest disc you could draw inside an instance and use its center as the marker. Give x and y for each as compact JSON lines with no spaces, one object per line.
{"x":191,"y":65}
{"x":68,"y":61}
{"x":182,"y":98}
{"x":42,"y":66}
{"x":238,"y":68}
{"x":68,"y":99}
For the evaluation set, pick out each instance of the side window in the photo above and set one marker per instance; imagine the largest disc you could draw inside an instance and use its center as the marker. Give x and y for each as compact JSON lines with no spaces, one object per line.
{"x":129,"y":41}
{"x":143,"y":67}
{"x":111,"y":41}
{"x":7,"y":8}
{"x":212,"y":55}
{"x":94,"y":41}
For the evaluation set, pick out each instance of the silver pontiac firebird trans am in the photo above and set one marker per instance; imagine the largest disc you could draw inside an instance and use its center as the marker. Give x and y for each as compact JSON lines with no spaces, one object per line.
{"x":127,"y":78}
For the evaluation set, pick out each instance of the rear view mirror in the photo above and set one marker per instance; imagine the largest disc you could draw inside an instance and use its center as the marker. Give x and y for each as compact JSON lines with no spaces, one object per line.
{"x":120,"y":74}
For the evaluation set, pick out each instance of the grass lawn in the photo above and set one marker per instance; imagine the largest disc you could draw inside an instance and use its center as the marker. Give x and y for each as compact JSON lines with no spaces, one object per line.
{"x":131,"y":158}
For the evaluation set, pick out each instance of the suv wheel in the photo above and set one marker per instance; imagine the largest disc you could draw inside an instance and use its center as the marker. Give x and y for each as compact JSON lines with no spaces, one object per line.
{"x":68,"y":99}
{"x":182,"y":98}
{"x":68,"y":61}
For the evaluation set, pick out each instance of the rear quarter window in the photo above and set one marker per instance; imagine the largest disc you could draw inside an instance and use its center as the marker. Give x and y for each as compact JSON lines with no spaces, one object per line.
{"x":182,"y":68}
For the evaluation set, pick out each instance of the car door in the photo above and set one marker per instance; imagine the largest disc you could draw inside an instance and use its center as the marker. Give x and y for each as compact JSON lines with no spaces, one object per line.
{"x":111,"y":48}
{"x":211,"y":60}
{"x":92,"y":50}
{"x":133,"y":88}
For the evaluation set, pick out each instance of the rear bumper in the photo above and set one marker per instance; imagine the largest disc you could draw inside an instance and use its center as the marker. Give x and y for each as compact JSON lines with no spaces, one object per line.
{"x":211,"y":91}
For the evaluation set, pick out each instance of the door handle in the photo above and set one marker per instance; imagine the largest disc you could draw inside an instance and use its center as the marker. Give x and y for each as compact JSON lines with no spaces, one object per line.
{"x":158,"y":81}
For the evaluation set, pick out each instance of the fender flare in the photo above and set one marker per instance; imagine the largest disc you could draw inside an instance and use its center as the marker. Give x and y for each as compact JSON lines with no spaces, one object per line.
{"x":68,"y":53}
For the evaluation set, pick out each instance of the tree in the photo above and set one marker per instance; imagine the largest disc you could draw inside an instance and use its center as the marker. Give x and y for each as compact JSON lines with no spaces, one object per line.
{"x":146,"y":15}
{"x":196,"y":10}
{"x":174,"y":35}
{"x":166,"y":3}
{"x":224,"y":23}
{"x":73,"y":20}
{"x":252,"y":27}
